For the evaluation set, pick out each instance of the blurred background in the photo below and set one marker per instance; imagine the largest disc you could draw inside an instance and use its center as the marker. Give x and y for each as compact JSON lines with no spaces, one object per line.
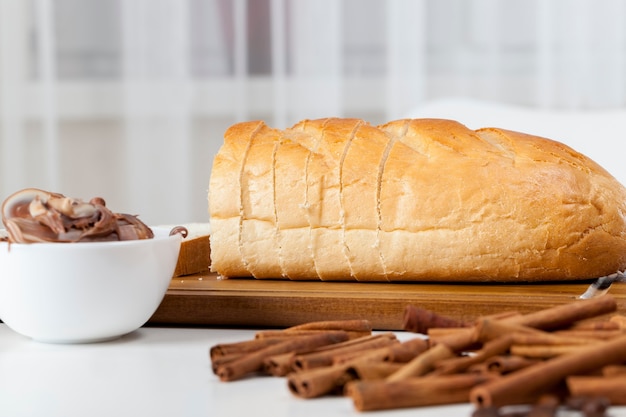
{"x":129,"y":100}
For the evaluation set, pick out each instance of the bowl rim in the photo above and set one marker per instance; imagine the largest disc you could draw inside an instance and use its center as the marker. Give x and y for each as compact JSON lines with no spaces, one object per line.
{"x":160,"y":233}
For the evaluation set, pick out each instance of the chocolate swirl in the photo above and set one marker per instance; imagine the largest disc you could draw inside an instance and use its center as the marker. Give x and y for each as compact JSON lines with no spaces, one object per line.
{"x":32,"y":215}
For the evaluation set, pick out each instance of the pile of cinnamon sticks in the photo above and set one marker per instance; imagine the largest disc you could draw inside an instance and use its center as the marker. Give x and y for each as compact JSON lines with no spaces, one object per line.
{"x":571,"y":355}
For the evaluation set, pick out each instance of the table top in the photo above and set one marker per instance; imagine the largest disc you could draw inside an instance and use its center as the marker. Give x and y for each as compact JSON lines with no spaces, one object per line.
{"x":155,"y":371}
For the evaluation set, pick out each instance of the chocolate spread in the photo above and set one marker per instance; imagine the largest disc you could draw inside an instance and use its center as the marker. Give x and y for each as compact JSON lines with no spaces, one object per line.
{"x":33,"y":215}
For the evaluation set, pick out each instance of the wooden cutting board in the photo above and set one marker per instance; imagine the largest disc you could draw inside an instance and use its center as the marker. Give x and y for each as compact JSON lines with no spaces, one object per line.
{"x":203,"y":299}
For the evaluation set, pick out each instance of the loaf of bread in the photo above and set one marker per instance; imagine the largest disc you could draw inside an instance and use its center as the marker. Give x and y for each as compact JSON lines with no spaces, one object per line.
{"x":410,"y":200}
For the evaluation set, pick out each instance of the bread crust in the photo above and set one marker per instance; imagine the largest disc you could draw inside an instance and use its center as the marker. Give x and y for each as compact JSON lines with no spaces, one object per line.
{"x":195,"y":249}
{"x":420,"y":200}
{"x":258,"y":237}
{"x":225,"y":203}
{"x":330,"y":140}
{"x":360,"y":201}
{"x":290,"y":194}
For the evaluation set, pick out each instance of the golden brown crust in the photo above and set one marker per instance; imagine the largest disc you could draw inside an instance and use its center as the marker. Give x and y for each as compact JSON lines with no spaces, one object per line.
{"x":428,"y":200}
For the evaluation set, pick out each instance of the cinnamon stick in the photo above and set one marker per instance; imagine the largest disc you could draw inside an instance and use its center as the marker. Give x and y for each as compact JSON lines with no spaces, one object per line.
{"x":245,"y":346}
{"x":370,"y":371}
{"x":354,"y":328}
{"x":545,"y":338}
{"x":423,"y":363}
{"x":547,"y":319}
{"x":279,"y":365}
{"x":601,"y":334}
{"x":436,"y":332}
{"x":370,"y":355}
{"x":524,"y":335}
{"x":397,"y":352}
{"x":351,"y":342}
{"x":504,"y":364}
{"x":488,"y":329}
{"x":460,"y":364}
{"x":456,"y":341}
{"x":253,"y":362}
{"x":595,"y":325}
{"x":612,"y":370}
{"x":544,"y":351}
{"x":325,"y":357}
{"x":346,"y":325}
{"x":564,"y":315}
{"x":612,"y":388}
{"x":412,"y":392}
{"x":512,"y":354}
{"x":419,"y":320}
{"x":529,"y":382}
{"x":407,"y":350}
{"x":221,"y":360}
{"x":316,"y":382}
{"x":286,"y":333}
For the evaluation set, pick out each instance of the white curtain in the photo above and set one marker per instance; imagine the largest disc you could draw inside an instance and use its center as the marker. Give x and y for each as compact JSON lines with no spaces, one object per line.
{"x":128,"y":100}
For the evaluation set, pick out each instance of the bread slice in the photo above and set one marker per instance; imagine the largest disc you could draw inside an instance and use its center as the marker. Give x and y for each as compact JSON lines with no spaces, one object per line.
{"x":331,"y":139}
{"x":195,"y":250}
{"x":224,"y":196}
{"x":360,"y":177}
{"x":258,"y":240}
{"x":290,"y":193}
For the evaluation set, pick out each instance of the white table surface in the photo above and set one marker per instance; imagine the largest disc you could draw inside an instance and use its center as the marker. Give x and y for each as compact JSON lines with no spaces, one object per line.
{"x":156,"y":372}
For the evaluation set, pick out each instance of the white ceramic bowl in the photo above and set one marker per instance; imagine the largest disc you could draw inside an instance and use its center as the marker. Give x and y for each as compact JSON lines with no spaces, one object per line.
{"x":84,"y":292}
